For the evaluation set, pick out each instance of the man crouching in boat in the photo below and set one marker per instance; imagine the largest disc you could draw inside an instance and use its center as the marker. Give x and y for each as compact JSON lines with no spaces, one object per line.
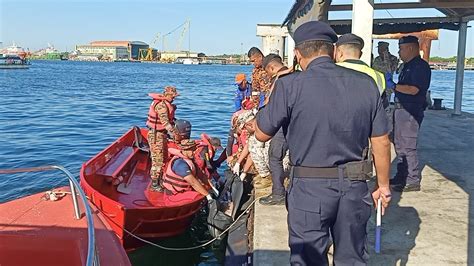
{"x":160,"y":122}
{"x":181,"y":174}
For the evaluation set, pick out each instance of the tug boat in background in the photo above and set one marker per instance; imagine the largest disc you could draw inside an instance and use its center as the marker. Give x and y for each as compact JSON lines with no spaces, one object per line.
{"x":13,"y":62}
{"x":14,"y":57}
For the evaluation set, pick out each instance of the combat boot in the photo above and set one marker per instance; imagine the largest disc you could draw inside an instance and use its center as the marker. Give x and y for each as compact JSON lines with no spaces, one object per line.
{"x":155,"y":185}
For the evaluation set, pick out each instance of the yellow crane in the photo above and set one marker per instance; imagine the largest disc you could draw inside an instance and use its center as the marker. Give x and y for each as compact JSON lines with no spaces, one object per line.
{"x":147,"y":54}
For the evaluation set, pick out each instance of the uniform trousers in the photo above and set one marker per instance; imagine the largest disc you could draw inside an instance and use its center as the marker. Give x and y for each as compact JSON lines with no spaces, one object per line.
{"x":158,"y":150}
{"x":259,"y":153}
{"x":323,"y":209}
{"x":406,"y":127}
{"x":276,"y":153}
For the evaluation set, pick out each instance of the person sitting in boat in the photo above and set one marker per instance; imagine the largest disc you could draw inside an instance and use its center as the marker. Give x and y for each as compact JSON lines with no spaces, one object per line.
{"x":181,"y":174}
{"x":160,"y":122}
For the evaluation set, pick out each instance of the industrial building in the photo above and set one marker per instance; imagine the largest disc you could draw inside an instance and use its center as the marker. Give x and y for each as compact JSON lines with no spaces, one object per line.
{"x":113,"y":50}
{"x":169,"y":56}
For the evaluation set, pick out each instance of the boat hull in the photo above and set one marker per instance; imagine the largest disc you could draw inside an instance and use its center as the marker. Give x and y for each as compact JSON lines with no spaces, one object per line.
{"x":36,"y":231}
{"x":147,"y":215}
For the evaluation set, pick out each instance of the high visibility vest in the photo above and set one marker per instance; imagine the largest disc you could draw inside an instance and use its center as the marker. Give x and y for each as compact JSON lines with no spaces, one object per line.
{"x":377,"y":76}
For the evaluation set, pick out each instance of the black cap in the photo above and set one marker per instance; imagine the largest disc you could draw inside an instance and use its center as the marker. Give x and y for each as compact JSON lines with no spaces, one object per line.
{"x":350,"y":38}
{"x":184,"y":128}
{"x":314,"y":31}
{"x":408,"y":39}
{"x":267,"y":59}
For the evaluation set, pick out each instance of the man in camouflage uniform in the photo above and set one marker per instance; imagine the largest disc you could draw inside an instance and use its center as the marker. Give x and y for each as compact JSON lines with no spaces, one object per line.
{"x":385,"y":63}
{"x":157,"y":139}
{"x":260,"y":79}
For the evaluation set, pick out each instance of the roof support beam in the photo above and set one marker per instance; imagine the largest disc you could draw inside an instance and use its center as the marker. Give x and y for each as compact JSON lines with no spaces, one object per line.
{"x":460,"y":68}
{"x":457,"y":4}
{"x":402,"y":20}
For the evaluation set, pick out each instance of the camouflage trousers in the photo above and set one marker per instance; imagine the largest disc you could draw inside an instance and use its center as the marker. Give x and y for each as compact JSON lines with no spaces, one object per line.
{"x":158,"y":150}
{"x":259,"y":153}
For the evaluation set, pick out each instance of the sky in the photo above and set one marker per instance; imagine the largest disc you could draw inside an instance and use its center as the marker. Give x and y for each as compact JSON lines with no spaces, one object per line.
{"x":217,"y":26}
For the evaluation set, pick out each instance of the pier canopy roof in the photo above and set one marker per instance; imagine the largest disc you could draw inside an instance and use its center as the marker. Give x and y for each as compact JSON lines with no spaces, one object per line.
{"x":455,"y":11}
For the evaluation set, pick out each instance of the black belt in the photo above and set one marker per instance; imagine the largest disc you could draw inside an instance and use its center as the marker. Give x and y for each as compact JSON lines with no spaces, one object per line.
{"x":361,"y":170}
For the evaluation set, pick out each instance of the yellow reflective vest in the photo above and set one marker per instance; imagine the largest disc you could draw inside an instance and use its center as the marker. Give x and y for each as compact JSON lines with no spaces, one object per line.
{"x":378,"y":77}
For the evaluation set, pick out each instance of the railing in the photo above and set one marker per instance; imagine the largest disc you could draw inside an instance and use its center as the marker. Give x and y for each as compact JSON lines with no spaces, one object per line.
{"x":92,"y":257}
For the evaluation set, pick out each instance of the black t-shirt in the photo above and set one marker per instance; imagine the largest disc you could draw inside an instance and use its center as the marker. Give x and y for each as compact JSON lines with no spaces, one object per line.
{"x":416,"y":73}
{"x":327,"y":114}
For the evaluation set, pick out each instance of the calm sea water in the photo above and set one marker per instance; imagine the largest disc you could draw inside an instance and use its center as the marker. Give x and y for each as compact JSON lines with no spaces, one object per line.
{"x":63,"y":113}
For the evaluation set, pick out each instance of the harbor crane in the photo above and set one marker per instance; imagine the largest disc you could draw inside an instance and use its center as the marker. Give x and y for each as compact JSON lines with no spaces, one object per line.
{"x":185,"y":27}
{"x":147,"y":54}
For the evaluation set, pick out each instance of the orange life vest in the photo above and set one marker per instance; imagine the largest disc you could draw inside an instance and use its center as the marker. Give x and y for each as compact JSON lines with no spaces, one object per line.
{"x":173,"y":182}
{"x":153,"y":120}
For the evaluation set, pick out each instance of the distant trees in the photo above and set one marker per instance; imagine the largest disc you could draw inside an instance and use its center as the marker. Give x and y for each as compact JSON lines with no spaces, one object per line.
{"x":452,"y":59}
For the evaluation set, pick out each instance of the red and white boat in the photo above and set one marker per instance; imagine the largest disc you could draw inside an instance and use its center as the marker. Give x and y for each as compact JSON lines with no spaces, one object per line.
{"x":148,"y":215}
{"x":49,"y":229}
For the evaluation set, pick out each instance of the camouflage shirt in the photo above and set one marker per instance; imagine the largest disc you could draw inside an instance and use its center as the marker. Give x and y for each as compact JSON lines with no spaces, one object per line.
{"x":162,"y":111}
{"x":260,"y":80}
{"x":386,"y":66}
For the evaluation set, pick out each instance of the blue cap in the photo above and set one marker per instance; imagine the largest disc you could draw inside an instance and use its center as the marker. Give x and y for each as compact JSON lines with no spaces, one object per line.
{"x":408,"y":39}
{"x":314,"y":31}
{"x":350,"y":38}
{"x":184,"y":128}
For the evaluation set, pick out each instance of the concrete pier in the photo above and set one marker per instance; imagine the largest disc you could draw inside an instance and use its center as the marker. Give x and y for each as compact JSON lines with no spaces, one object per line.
{"x":432,"y":227}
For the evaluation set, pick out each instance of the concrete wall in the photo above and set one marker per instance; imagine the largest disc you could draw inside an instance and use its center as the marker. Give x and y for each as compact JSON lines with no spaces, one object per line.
{"x":273,"y":39}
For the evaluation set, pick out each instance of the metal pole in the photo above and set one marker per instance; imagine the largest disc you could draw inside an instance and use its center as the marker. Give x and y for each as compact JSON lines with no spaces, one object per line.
{"x":460,"y":67}
{"x":77,"y":213}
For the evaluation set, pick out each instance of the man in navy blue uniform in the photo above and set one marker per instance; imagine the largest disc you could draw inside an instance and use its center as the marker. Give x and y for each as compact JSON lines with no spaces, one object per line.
{"x":410,"y":103}
{"x":328,"y":114}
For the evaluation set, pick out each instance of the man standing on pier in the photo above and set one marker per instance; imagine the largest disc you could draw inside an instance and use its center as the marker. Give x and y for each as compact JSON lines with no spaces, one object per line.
{"x":274,"y":67}
{"x":260,"y":79}
{"x":410,"y":103}
{"x":328,"y":113}
{"x":385,"y":63}
{"x":348,"y":52}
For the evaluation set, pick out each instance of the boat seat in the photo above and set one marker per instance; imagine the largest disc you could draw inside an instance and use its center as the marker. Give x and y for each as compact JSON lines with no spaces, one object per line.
{"x":113,"y":167}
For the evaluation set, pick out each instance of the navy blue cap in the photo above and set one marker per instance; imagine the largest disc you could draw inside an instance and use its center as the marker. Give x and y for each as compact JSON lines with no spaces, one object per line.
{"x":350,"y":38}
{"x":314,"y":31}
{"x":270,"y":57}
{"x":183,"y":127}
{"x":408,"y":39}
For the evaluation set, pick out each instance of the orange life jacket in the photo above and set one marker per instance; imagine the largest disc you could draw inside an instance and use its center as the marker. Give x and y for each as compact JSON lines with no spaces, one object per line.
{"x":153,"y":120}
{"x":173,"y":182}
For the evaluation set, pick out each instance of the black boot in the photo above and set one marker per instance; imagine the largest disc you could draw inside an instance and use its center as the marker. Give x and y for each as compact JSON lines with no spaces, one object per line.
{"x":155,"y":185}
{"x":273,"y":200}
